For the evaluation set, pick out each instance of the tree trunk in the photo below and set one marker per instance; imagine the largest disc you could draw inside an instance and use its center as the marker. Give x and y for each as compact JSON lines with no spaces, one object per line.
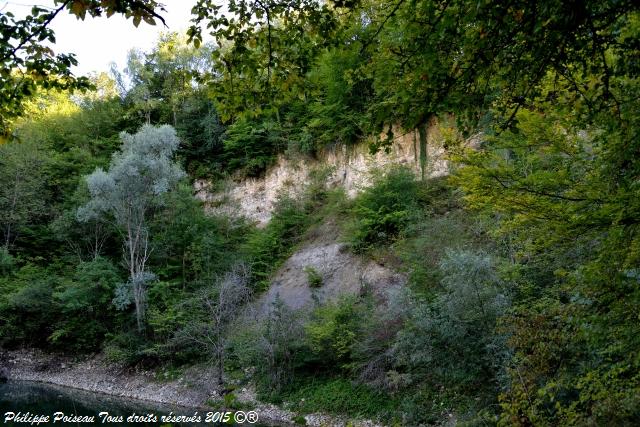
{"x":137,"y":260}
{"x":220,"y":367}
{"x":139,"y":299}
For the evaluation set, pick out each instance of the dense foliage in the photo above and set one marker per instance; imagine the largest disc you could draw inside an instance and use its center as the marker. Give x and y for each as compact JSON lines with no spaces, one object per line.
{"x":521,"y":306}
{"x":28,"y":64}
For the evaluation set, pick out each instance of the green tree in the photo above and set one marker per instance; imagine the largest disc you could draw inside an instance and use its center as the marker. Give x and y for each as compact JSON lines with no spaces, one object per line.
{"x":265,"y":50}
{"x":561,"y":183}
{"x":28,"y":64}
{"x":382,"y":211}
{"x":22,"y":198}
{"x":333,"y":330}
{"x":78,"y":131}
{"x":166,"y":87}
{"x":28,"y":310}
{"x":86,"y":312}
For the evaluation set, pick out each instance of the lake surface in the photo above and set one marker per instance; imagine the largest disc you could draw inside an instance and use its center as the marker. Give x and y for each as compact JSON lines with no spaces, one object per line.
{"x":32,"y":402}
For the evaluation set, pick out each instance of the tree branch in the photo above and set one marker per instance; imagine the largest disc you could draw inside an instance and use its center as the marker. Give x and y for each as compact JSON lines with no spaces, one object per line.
{"x":42,"y":27}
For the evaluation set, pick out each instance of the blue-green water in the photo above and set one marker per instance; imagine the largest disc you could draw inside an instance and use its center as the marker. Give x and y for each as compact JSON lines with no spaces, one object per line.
{"x":30,"y":404}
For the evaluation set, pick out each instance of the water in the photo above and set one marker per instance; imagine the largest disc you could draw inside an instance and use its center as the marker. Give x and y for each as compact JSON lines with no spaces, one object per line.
{"x":45,"y":400}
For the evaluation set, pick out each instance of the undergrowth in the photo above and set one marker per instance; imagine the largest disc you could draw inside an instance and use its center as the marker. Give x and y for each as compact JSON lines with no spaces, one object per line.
{"x":292,"y":217}
{"x":337,"y":395}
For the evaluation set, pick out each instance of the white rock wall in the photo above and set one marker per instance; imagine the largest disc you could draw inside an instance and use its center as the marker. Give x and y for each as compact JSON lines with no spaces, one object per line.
{"x":351,"y":168}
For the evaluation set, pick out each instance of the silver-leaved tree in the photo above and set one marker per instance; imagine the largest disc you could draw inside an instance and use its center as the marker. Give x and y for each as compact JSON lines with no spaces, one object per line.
{"x":129,"y":193}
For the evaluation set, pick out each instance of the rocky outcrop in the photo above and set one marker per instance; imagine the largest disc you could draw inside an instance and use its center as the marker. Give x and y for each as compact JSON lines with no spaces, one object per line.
{"x":342,"y":273}
{"x":347,"y":167}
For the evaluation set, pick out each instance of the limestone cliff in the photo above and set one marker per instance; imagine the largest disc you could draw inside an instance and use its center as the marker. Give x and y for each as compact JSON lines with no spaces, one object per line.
{"x":349,"y":167}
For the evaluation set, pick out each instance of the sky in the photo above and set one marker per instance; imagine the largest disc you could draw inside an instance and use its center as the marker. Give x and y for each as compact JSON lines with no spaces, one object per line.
{"x":99,"y":41}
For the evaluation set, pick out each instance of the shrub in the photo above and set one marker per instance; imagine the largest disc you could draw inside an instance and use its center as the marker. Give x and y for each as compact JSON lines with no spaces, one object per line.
{"x":340,"y":396}
{"x":266,"y":248}
{"x":274,"y":346}
{"x":314,"y":279}
{"x":85,"y":305}
{"x":382,"y":211}
{"x":333,"y":330}
{"x":7,"y":261}
{"x":299,"y":420}
{"x":212,"y":311}
{"x":125,"y":347}
{"x":452,"y":338}
{"x":27,"y":307}
{"x":427,"y":242}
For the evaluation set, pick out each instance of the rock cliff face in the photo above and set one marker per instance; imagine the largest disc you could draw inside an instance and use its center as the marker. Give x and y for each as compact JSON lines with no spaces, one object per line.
{"x":349,"y":167}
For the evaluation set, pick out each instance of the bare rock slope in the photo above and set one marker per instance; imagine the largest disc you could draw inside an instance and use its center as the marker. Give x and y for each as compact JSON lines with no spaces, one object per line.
{"x":342,"y":273}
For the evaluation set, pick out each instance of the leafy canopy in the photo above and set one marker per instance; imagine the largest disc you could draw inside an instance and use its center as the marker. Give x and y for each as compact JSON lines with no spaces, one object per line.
{"x":27,"y":63}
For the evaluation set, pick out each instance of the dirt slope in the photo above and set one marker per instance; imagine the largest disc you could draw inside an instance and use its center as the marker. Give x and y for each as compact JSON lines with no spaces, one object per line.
{"x":342,"y":272}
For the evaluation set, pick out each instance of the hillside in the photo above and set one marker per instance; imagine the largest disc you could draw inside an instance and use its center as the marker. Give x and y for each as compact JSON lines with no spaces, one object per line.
{"x":377,"y":212}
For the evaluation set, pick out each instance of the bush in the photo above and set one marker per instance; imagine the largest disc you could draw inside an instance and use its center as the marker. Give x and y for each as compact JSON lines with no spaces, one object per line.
{"x":314,"y":279}
{"x":299,"y":420}
{"x":382,"y":211}
{"x":266,"y":248}
{"x":433,"y":353}
{"x":333,"y":330}
{"x":273,"y":346}
{"x":126,"y":347}
{"x":339,"y":396}
{"x":86,"y":308}
{"x":427,"y":243}
{"x":452,"y":339}
{"x":27,"y":308}
{"x":7,"y":262}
